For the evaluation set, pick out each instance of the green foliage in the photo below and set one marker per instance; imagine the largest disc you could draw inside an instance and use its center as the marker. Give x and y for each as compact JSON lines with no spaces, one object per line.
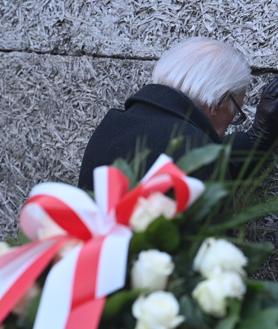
{"x":195,"y":319}
{"x":223,"y":209}
{"x":233,"y":316}
{"x":246,"y":215}
{"x":116,"y":304}
{"x":19,"y":240}
{"x":31,"y":310}
{"x":266,"y":319}
{"x":175,"y":143}
{"x":267,"y":292}
{"x":260,"y":305}
{"x":136,"y":167}
{"x":256,"y":253}
{"x":138,"y":163}
{"x":204,"y":206}
{"x":138,"y":243}
{"x":161,"y":234}
{"x":214,"y":214}
{"x":200,"y":157}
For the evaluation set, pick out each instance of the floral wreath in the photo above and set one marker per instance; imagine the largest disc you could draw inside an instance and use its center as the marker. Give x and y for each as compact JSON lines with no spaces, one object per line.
{"x":156,"y":256}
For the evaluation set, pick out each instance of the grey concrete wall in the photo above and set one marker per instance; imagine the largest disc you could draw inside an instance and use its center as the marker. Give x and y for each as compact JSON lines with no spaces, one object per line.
{"x":63,"y":64}
{"x":141,"y":28}
{"x":50,"y":106}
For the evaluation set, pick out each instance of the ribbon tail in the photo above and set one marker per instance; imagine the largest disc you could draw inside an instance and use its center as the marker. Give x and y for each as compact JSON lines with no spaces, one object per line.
{"x":113,"y":261}
{"x":86,"y":316}
{"x":78,"y":284}
{"x":55,"y":303}
{"x":20,"y":268}
{"x":70,"y":288}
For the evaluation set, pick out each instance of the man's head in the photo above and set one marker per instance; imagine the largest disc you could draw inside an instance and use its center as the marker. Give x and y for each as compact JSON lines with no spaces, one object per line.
{"x":213,"y":74}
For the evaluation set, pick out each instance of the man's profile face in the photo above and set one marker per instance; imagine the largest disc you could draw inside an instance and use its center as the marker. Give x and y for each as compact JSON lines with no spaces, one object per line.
{"x":222,"y":116}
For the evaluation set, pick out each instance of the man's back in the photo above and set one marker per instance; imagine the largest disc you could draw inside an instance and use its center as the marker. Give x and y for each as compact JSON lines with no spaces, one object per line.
{"x":152,"y":116}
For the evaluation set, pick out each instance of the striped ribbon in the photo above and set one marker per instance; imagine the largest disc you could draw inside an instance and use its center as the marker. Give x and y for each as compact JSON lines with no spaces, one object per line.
{"x":76,"y":286}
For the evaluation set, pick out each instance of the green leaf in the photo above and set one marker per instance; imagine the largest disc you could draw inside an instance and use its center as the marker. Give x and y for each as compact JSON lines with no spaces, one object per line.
{"x":175,"y":143}
{"x":163,"y":234}
{"x":138,"y":243}
{"x":194,"y":318}
{"x":214,"y":192}
{"x":200,"y":157}
{"x":233,"y":316}
{"x":266,"y":289}
{"x":32,"y":310}
{"x":224,"y":162}
{"x":20,"y":240}
{"x":116,"y":304}
{"x":138,"y":162}
{"x":228,"y":323}
{"x":177,"y":285}
{"x":266,"y":319}
{"x":253,"y":212}
{"x":261,"y":295}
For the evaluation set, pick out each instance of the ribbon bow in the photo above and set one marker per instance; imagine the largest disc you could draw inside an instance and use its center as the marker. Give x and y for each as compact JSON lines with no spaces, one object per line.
{"x":76,"y":286}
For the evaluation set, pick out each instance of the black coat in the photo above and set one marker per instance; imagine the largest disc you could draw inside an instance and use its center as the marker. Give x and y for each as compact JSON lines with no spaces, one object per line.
{"x":154,"y":114}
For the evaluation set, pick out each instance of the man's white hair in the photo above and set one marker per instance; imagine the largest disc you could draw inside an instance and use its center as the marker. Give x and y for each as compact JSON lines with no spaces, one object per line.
{"x":203,"y":69}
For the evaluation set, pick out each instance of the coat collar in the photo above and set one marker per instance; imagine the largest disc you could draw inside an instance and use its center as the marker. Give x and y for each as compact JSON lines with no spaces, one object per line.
{"x":175,"y":102}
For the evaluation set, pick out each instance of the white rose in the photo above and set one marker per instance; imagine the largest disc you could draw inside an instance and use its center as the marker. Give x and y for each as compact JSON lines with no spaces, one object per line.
{"x":159,"y":310}
{"x":147,"y":210}
{"x":152,"y":270}
{"x":217,"y":256}
{"x":212,"y":293}
{"x":4,"y":248}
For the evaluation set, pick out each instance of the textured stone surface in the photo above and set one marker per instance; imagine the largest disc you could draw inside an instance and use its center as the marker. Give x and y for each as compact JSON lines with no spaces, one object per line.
{"x":138,"y":27}
{"x":49,"y":107}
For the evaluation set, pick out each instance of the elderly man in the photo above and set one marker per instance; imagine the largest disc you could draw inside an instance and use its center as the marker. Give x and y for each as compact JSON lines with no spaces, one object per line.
{"x":197,"y":91}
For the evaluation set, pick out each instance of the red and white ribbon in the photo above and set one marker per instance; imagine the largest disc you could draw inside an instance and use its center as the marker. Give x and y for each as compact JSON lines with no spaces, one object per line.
{"x":75,"y":289}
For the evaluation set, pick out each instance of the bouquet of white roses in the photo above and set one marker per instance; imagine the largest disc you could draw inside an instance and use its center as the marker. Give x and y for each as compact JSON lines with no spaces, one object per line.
{"x":167,"y":251}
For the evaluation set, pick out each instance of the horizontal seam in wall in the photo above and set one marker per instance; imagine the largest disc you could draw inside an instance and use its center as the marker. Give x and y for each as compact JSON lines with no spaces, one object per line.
{"x":81,"y":54}
{"x":255,"y":70}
